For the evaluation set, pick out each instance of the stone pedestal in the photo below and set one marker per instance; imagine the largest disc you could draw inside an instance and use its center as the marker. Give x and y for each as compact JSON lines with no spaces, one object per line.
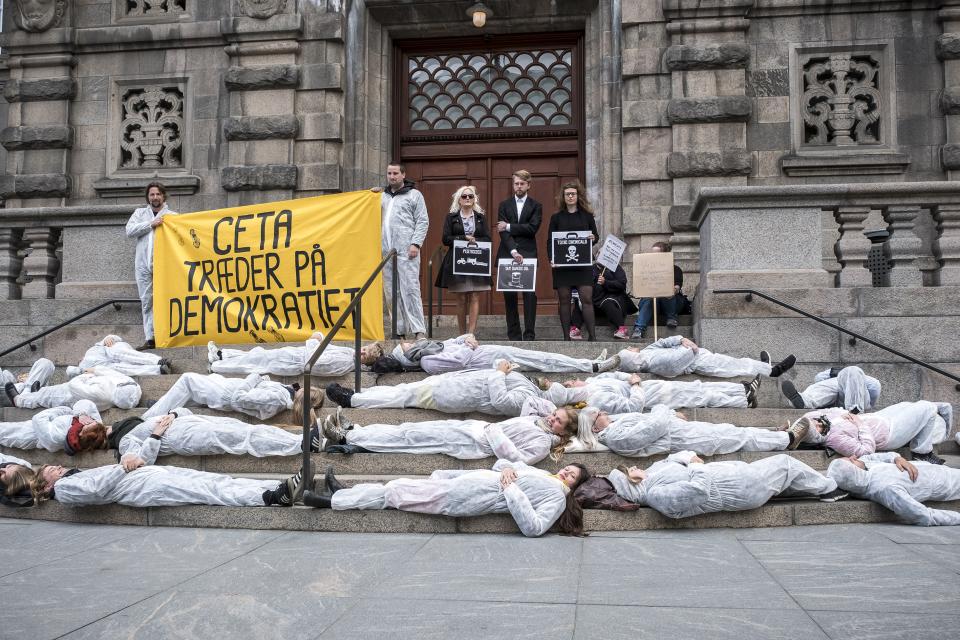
{"x":853,"y":248}
{"x":947,"y":247}
{"x":904,"y":246}
{"x":40,"y":267}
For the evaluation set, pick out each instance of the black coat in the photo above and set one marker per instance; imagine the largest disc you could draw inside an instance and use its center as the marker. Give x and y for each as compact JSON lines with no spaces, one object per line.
{"x":614,"y":287}
{"x":453,"y":230}
{"x":522,"y":235}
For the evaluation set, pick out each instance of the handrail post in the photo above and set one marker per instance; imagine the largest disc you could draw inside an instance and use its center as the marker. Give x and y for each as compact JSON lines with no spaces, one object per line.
{"x":307,"y":406}
{"x":430,"y":299}
{"x":356,"y":348}
{"x":396,"y":285}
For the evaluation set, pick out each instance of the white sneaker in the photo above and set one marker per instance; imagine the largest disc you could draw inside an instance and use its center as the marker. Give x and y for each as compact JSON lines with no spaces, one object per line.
{"x":213,"y":352}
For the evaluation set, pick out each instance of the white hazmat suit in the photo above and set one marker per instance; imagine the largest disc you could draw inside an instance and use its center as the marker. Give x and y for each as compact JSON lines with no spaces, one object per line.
{"x":50,"y":427}
{"x":679,"y":488}
{"x":285,"y":361}
{"x":921,"y":425}
{"x":404,"y":223}
{"x":41,"y":371}
{"x":457,"y":356}
{"x":139,"y":227}
{"x":884,"y":483}
{"x":120,"y":356}
{"x":103,"y":386}
{"x":613,"y":393}
{"x":151,"y":486}
{"x":851,"y":389}
{"x":487,"y":391}
{"x":5,"y":459}
{"x":662,"y":431}
{"x":196,"y":435}
{"x":254,"y":395}
{"x":668,"y":358}
{"x":535,"y":500}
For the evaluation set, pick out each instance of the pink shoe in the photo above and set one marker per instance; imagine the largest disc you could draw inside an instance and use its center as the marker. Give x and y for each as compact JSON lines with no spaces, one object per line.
{"x":575,"y":334}
{"x":621,"y":334}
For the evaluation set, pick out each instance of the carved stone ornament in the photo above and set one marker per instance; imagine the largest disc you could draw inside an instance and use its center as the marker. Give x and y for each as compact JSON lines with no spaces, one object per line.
{"x":262,"y":8}
{"x":38,"y":15}
{"x":151,"y":134}
{"x":150,"y":8}
{"x":841,"y":102}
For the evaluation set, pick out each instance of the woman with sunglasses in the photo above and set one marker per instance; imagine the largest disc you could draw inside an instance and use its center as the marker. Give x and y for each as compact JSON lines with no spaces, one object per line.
{"x":466,"y":221}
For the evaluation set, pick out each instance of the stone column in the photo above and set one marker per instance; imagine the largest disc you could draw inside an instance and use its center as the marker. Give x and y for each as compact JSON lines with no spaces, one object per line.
{"x":708,"y":110}
{"x":41,"y":265}
{"x":10,"y":263}
{"x":903,"y":247}
{"x":948,"y":50}
{"x":947,"y":247}
{"x":853,"y":247}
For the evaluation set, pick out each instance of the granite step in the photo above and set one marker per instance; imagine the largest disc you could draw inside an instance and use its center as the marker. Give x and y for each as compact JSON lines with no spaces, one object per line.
{"x":777,"y":513}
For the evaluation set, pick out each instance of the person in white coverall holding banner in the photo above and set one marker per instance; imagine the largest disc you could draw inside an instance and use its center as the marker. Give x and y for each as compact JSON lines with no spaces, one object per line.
{"x":404,"y":228}
{"x":142,"y":225}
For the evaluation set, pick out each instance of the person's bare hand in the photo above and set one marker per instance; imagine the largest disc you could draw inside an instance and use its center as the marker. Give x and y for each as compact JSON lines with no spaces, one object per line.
{"x":109,"y":342}
{"x":504,"y":366}
{"x":162,"y":425}
{"x":676,"y":289}
{"x":501,"y":226}
{"x":518,"y":259}
{"x":507,"y":477}
{"x":377,"y":189}
{"x":470,"y":238}
{"x":909,"y":467}
{"x":471,"y":341}
{"x":601,"y":280}
{"x":636,"y":474}
{"x":635,"y":379}
{"x":129,"y":462}
{"x":696,"y":460}
{"x":413,"y":251}
{"x":689,"y":344}
{"x":156,"y":222}
{"x":680,"y":415}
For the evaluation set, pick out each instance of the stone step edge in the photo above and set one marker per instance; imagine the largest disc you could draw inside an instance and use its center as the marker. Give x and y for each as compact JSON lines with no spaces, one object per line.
{"x":774,"y":514}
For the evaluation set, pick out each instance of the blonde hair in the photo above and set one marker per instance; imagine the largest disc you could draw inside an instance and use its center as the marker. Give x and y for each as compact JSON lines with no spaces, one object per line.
{"x":573,"y":419}
{"x":455,"y":204}
{"x":585,"y":433}
{"x":296,"y":412}
{"x":39,"y":490}
{"x":523,"y":174}
{"x":22,"y":479}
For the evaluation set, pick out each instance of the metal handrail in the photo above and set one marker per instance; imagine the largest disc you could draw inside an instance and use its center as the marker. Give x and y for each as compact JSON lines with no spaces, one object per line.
{"x":29,"y":341}
{"x":353,"y":309}
{"x":854,"y":336}
{"x":430,"y":288}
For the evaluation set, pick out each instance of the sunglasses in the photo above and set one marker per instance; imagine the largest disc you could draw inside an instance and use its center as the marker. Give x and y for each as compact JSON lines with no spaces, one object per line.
{"x":467,"y":196}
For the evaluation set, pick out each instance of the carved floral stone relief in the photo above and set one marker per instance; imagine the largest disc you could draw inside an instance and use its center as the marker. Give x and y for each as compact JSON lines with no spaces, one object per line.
{"x":151,"y":8}
{"x":152,"y":129}
{"x":841,"y":101}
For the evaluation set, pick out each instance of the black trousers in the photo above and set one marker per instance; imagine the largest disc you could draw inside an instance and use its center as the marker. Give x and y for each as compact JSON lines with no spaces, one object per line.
{"x":513,"y":316}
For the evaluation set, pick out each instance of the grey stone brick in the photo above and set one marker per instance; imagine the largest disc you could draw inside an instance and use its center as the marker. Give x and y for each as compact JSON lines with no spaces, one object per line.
{"x":261,"y":128}
{"x":679,"y":218}
{"x":768,"y":82}
{"x":37,"y":185}
{"x":322,"y":76}
{"x":950,"y":156}
{"x":948,"y":46}
{"x":950,"y":101}
{"x":42,"y":89}
{"x":266,"y":77}
{"x":713,"y":109}
{"x":262,"y":178}
{"x":727,"y":55}
{"x":52,"y":137}
{"x":700,"y":164}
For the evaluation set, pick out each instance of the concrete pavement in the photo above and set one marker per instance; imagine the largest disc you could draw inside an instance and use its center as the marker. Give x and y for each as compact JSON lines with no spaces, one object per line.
{"x":833,"y":581}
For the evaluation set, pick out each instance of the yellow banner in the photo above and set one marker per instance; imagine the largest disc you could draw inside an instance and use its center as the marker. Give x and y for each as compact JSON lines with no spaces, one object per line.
{"x":272,"y":272}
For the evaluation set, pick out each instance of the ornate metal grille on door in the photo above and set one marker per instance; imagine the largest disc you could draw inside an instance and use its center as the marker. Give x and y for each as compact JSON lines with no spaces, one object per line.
{"x":492,"y":90}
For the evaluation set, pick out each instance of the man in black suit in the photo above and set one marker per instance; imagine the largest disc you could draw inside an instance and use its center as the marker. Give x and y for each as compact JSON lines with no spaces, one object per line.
{"x":519,"y":219}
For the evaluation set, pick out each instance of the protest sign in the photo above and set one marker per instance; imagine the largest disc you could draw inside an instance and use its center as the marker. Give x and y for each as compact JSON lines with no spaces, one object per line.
{"x":272,"y":272}
{"x":471,"y":258}
{"x":572,"y":249}
{"x":652,"y":275}
{"x":611,"y":252}
{"x":512,"y":276}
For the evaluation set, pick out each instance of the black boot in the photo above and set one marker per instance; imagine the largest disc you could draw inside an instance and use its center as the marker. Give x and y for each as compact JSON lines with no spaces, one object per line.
{"x":784,"y":365}
{"x":340,"y":395}
{"x":166,"y":367}
{"x":315,"y":439}
{"x":316,"y":500}
{"x":11,"y":391}
{"x":345,"y":449}
{"x":333,"y":485}
{"x":35,"y":387}
{"x":790,"y":391}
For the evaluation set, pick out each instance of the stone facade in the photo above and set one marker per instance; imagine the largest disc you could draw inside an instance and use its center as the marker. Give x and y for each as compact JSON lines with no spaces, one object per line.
{"x":238,"y":101}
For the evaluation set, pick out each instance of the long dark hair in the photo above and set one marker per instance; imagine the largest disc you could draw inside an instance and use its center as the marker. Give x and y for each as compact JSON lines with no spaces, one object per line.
{"x":583,"y":203}
{"x":570,"y":522}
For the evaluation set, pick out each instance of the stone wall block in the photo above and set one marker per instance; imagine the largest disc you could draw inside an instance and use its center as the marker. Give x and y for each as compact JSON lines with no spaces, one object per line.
{"x":22,"y":138}
{"x":679,"y":218}
{"x":322,"y":76}
{"x":262,"y":178}
{"x":37,"y":185}
{"x":950,"y":101}
{"x":713,"y":109}
{"x":700,"y":164}
{"x":41,"y":89}
{"x":950,"y":156}
{"x":727,"y":55}
{"x":948,"y":46}
{"x":261,"y":128}
{"x":266,"y":77}
{"x":321,"y":126}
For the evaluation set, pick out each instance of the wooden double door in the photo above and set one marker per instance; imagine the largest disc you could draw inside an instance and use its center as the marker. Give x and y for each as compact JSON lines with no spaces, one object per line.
{"x":493,"y":179}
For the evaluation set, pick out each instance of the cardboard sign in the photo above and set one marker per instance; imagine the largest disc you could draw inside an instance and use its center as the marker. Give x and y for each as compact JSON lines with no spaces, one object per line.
{"x":572,"y":249}
{"x":471,"y":258}
{"x":611,"y":252}
{"x":652,"y":275}
{"x":517,"y":277}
